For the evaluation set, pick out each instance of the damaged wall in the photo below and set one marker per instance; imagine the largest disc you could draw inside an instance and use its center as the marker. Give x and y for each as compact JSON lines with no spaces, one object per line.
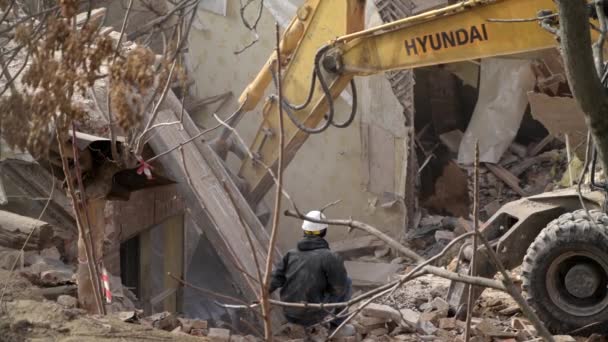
{"x":342,"y":165}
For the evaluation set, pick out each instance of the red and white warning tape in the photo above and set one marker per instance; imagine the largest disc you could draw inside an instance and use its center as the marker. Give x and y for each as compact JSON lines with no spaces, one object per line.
{"x":106,"y":285}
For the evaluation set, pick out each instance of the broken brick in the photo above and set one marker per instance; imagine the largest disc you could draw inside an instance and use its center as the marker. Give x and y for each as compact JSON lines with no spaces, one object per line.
{"x":440,"y":304}
{"x":219,"y":335}
{"x":564,"y":338}
{"x":426,"y":328}
{"x":367,"y":321}
{"x":199,"y":324}
{"x":410,"y":317}
{"x":447,"y":323}
{"x":379,"y":332}
{"x":380,"y":311}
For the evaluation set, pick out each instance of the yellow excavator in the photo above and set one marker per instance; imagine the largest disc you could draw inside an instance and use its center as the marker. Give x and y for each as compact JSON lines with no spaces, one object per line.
{"x":564,"y":252}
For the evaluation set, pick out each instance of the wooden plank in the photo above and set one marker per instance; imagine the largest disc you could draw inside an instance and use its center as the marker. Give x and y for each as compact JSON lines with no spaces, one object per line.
{"x":542,"y":144}
{"x":15,"y":230}
{"x":167,"y":203}
{"x":528,"y":162}
{"x":206,"y":196}
{"x":173,"y":244}
{"x":145,"y":258}
{"x":507,"y":177}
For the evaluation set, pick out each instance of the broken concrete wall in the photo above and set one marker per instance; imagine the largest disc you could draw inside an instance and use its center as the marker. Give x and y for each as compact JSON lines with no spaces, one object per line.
{"x":500,"y":108}
{"x":336,"y":155}
{"x":145,"y":215}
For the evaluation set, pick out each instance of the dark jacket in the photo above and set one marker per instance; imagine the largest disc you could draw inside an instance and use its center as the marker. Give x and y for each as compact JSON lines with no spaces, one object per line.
{"x":311,"y":273}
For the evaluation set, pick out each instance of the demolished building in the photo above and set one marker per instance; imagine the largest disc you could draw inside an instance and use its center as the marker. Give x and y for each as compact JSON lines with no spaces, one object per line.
{"x":189,"y":226}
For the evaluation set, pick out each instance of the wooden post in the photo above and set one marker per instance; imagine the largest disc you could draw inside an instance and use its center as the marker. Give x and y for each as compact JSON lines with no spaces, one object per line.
{"x":95,"y":210}
{"x":173,"y":260}
{"x":145,"y":257}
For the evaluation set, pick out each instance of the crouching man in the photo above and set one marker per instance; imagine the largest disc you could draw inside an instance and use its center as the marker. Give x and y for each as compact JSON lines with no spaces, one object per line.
{"x":311,"y":273}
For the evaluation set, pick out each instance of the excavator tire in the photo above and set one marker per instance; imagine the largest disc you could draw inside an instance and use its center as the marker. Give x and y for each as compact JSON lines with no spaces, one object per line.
{"x":565,"y":274}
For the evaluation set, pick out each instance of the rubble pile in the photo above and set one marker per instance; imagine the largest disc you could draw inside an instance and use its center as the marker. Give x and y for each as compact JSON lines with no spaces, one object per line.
{"x":496,"y":318}
{"x":55,"y":279}
{"x":519,"y":175}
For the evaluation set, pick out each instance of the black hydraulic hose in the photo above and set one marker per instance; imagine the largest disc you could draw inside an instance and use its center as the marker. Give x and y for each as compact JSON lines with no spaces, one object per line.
{"x":293,"y":117}
{"x":301,"y":126}
{"x":289,"y":108}
{"x":329,"y":117}
{"x":601,"y":185}
{"x":311,"y":92}
{"x":353,"y":111}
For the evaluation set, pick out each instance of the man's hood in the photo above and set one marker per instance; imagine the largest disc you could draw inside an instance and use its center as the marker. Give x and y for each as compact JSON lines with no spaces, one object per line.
{"x":309,"y":243}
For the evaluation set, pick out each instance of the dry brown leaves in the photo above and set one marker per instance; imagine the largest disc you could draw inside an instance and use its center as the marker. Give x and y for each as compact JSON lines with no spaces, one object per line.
{"x":66,"y":61}
{"x":131,"y":78}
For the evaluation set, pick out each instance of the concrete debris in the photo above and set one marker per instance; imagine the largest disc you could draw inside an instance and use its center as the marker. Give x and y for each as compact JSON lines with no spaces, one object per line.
{"x":127,"y":316}
{"x":47,"y":271}
{"x":380,"y":311}
{"x":292,"y":330}
{"x":447,"y":323}
{"x":510,"y":311}
{"x":372,"y":322}
{"x":440,"y":304}
{"x":444,"y":235}
{"x":370,"y":274}
{"x":198,"y":324}
{"x":67,"y":301}
{"x":433,"y":316}
{"x":57,"y":277}
{"x":389,"y":321}
{"x":356,"y":247}
{"x":485,"y":328}
{"x":379,"y":332}
{"x":162,"y":320}
{"x":409,"y":317}
{"x":219,"y":335}
{"x":51,"y":253}
{"x":16,"y":230}
{"x":382,"y":252}
{"x":426,"y":327}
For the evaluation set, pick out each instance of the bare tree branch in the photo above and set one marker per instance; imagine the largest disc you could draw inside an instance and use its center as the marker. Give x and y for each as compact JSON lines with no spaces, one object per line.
{"x":251,"y":27}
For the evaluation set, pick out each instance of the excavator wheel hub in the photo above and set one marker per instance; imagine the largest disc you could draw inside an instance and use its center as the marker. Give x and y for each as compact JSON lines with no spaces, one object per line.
{"x":577,"y":283}
{"x":582,"y":280}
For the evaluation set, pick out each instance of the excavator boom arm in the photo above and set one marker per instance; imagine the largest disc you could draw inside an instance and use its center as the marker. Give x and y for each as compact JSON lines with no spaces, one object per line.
{"x":330,"y":32}
{"x":466,"y":31}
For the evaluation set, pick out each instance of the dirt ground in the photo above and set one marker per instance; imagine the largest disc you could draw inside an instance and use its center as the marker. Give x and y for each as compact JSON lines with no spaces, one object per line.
{"x":26,"y":316}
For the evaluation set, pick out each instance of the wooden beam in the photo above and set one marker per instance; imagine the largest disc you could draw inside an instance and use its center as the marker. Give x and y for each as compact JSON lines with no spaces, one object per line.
{"x":542,"y":144}
{"x":173,"y":245}
{"x":145,"y":258}
{"x":203,"y":181}
{"x":507,"y":177}
{"x":15,"y":229}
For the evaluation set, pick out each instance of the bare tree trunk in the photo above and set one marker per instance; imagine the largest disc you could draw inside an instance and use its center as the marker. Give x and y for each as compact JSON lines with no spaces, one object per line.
{"x":581,"y":71}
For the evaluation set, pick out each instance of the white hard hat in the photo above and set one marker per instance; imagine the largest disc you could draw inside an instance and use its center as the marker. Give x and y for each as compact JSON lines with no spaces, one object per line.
{"x":313,"y":226}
